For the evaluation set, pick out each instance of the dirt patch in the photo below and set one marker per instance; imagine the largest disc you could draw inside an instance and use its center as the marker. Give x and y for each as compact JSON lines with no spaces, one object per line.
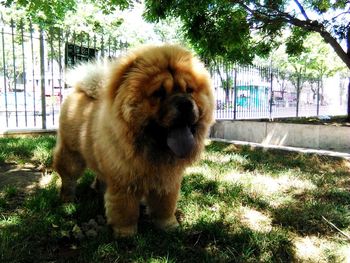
{"x":25,"y":177}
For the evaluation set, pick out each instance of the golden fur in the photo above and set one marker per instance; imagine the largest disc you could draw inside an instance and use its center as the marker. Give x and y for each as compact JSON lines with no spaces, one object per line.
{"x":117,"y":123}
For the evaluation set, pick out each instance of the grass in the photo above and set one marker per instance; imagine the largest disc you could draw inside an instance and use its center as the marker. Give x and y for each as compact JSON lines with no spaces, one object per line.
{"x":237,"y":204}
{"x":37,"y":150}
{"x":322,"y":120}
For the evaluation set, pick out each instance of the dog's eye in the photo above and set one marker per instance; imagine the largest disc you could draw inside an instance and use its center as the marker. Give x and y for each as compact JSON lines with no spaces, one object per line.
{"x":159,"y":93}
{"x":189,"y":90}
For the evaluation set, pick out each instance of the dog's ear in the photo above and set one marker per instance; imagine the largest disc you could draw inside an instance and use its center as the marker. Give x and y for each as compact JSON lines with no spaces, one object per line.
{"x":118,"y":73}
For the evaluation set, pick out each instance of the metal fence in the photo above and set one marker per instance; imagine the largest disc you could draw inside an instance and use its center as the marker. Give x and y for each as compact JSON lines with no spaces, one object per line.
{"x":251,"y":92}
{"x":33,"y":64}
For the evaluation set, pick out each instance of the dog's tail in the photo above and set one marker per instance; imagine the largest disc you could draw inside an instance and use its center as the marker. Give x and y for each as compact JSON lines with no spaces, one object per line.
{"x":88,"y":78}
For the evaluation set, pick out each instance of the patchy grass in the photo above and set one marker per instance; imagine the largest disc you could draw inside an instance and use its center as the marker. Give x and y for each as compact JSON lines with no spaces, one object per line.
{"x":20,"y":150}
{"x":237,"y":204}
{"x":322,"y":120}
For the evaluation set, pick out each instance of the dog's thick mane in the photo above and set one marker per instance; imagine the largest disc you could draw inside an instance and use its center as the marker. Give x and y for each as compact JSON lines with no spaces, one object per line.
{"x":88,"y":78}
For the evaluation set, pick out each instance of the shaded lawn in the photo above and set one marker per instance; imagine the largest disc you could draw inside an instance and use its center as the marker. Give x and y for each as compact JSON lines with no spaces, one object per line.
{"x":237,"y":205}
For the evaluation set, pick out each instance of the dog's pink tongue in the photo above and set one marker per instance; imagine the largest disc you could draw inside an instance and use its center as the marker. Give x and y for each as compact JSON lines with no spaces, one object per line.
{"x":181,"y":141}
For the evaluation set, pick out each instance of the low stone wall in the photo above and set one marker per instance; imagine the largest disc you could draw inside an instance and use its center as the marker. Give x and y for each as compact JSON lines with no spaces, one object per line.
{"x":285,"y":134}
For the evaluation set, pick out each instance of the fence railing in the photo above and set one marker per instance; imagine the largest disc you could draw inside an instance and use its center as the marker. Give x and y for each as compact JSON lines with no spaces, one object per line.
{"x":252,"y":92}
{"x":32,"y":70}
{"x":33,"y":64}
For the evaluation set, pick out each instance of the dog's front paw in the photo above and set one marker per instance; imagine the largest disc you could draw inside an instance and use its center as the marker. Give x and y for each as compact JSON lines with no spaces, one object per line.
{"x":127,"y":231}
{"x":167,"y":224}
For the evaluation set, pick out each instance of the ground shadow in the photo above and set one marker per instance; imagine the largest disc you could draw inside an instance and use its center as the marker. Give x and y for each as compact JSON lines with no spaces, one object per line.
{"x":24,"y":177}
{"x":43,"y":232}
{"x":41,"y":228}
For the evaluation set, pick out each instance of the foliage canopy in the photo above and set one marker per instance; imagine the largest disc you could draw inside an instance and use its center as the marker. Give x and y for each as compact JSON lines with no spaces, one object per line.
{"x":235,"y":29}
{"x":241,"y":29}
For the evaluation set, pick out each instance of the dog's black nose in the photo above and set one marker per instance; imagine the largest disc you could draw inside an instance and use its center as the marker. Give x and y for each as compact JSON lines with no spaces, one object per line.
{"x":185,"y":111}
{"x":184,"y":105}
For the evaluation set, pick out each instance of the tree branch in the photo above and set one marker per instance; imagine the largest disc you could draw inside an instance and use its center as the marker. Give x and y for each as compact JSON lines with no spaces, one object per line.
{"x":348,"y":40}
{"x":336,"y":228}
{"x":340,"y":14}
{"x":327,"y":37}
{"x":268,"y":15}
{"x":302,"y":10}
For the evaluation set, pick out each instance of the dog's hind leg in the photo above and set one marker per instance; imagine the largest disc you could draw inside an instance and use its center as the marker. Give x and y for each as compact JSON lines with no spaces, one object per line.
{"x":70,"y":166}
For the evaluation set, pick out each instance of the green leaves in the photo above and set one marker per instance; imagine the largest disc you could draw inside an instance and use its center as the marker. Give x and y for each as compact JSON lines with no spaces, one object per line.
{"x":214,"y":28}
{"x":320,"y":6}
{"x":110,"y":6}
{"x":295,"y":42}
{"x":47,"y":13}
{"x":220,"y":30}
{"x":238,"y":30}
{"x":44,"y":12}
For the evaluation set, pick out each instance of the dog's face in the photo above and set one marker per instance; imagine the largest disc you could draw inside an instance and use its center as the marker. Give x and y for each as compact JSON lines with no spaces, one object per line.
{"x":164,"y":95}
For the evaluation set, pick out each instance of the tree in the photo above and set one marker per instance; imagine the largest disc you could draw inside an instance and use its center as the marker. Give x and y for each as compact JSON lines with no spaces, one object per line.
{"x":116,"y":19}
{"x":314,"y":64}
{"x":237,"y":30}
{"x":240,"y":29}
{"x":212,"y":29}
{"x":42,"y":12}
{"x":169,"y":30}
{"x":227,"y":27}
{"x":324,"y":63}
{"x":300,"y":75}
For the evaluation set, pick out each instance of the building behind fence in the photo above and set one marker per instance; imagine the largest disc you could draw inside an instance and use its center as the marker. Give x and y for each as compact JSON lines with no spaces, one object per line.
{"x":33,"y":64}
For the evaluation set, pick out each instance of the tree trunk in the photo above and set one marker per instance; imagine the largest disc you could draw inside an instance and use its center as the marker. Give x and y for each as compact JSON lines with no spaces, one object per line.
{"x":298,"y":95}
{"x":318,"y":98}
{"x":348,"y":53}
{"x":348,"y":101}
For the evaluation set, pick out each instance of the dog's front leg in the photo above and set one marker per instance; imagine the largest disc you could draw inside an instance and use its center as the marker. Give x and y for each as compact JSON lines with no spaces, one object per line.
{"x":162,"y":206}
{"x":122,"y":211}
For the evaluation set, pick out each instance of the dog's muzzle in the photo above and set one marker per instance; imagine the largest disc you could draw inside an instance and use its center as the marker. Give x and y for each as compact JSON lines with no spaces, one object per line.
{"x":181,"y":116}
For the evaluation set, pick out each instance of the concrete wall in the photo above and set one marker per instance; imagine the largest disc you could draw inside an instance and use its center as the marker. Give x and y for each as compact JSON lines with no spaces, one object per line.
{"x":285,"y":134}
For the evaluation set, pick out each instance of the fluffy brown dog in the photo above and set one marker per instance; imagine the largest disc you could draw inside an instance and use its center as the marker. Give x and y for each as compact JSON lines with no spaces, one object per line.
{"x":138,"y":122}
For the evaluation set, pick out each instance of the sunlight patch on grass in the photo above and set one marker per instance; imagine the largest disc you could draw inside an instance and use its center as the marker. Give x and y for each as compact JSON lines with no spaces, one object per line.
{"x":105,"y":250}
{"x":198,"y":170}
{"x":269,"y":187}
{"x":160,"y":260}
{"x":191,"y":212}
{"x":11,"y":220}
{"x":222,"y":158}
{"x":344,"y":251}
{"x":240,"y":159}
{"x":194,"y":213}
{"x":30,"y":149}
{"x":218,"y":158}
{"x":255,"y":220}
{"x":308,"y":248}
{"x":42,"y":155}
{"x":45,"y":181}
{"x":69,"y":208}
{"x":315,"y":249}
{"x":345,"y":164}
